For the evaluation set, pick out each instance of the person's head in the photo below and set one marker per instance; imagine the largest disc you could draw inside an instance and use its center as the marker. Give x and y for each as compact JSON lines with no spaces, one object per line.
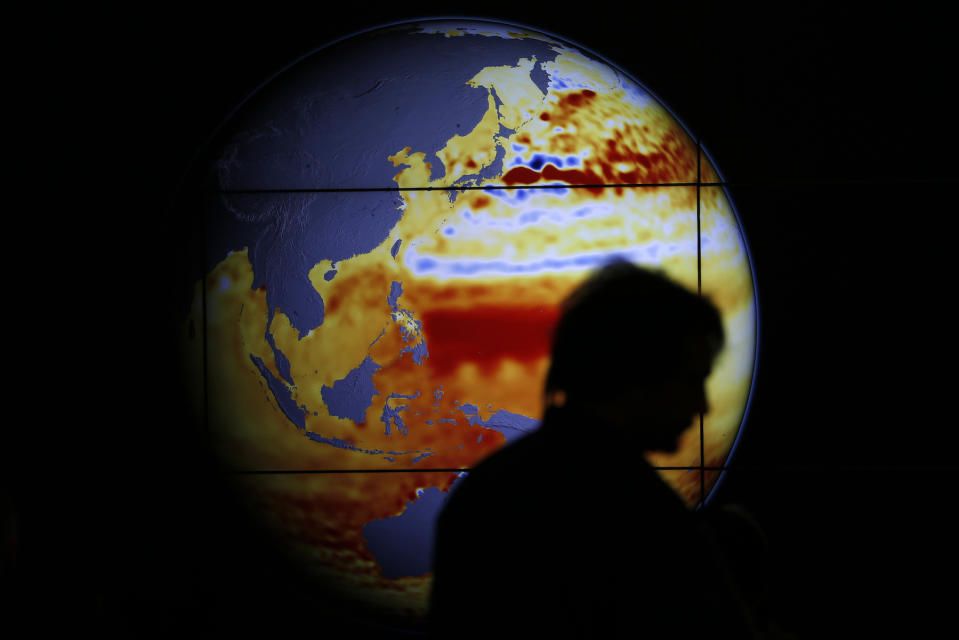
{"x":634,"y":348}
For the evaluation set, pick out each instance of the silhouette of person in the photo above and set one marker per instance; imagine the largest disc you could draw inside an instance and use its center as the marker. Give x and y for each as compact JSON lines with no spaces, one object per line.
{"x":569,"y":532}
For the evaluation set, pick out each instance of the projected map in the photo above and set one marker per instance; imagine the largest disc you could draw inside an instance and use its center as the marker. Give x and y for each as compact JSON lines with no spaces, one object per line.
{"x":391,"y":223}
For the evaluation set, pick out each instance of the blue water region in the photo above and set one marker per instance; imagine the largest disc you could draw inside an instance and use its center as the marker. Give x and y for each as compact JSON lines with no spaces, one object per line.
{"x":539,"y":160}
{"x":477,"y":268}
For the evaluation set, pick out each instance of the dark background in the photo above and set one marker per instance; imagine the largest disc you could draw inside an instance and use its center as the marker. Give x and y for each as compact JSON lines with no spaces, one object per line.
{"x":834,"y":128}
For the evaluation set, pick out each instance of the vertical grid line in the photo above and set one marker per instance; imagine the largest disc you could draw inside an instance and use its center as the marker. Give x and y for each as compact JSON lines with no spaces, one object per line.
{"x":699,"y":290}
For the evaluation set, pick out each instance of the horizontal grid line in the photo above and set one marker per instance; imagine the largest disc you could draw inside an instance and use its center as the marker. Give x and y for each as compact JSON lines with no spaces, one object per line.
{"x":473,"y":188}
{"x":735,"y":184}
{"x":263,"y":472}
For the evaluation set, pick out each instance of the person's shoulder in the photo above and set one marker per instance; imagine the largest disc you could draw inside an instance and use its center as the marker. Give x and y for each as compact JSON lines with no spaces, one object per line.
{"x":517,"y":455}
{"x":509,"y":463}
{"x":502,"y":478}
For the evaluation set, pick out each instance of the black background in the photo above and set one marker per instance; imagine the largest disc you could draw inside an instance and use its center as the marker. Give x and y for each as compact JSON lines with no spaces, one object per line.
{"x":835,"y":129}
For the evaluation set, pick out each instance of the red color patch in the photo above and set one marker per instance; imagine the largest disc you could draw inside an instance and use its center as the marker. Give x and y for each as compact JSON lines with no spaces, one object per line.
{"x":486,"y":335}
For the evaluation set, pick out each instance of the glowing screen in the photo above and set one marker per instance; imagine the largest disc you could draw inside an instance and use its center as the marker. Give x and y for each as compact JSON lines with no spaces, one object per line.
{"x":392,"y":223}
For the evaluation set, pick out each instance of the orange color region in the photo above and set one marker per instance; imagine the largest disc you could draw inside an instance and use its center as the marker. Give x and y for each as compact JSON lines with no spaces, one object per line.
{"x":670,"y":163}
{"x":485,"y":335}
{"x":570,"y":102}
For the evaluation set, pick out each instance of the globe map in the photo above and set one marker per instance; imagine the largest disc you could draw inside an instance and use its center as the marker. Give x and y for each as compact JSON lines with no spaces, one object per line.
{"x":390,"y":226}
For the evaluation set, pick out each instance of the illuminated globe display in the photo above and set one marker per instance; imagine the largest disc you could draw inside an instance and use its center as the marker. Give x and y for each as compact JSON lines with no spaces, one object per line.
{"x":390,"y":224}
